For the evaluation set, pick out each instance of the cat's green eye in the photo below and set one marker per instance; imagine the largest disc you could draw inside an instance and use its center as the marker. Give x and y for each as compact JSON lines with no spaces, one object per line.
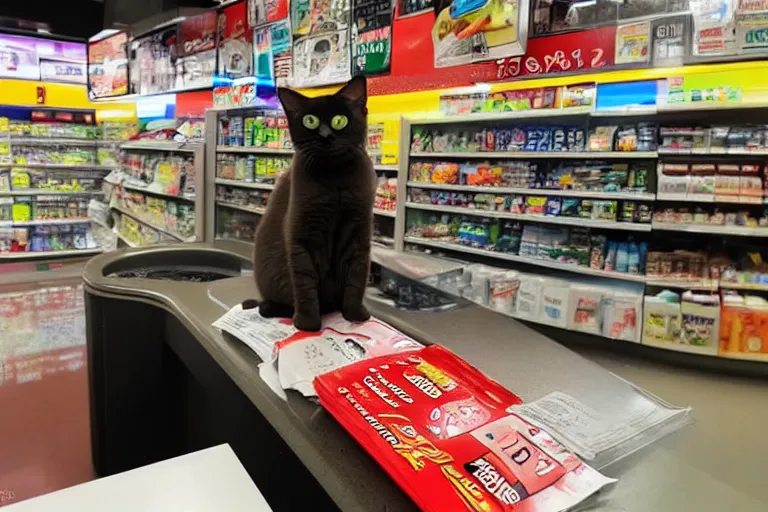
{"x":339,"y":122}
{"x":310,"y":121}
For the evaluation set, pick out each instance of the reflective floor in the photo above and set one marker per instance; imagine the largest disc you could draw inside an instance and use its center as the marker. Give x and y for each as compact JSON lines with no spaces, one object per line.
{"x":44,"y":427}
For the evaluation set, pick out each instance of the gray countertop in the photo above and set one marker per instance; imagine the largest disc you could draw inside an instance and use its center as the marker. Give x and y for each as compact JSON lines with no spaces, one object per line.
{"x":699,"y":468}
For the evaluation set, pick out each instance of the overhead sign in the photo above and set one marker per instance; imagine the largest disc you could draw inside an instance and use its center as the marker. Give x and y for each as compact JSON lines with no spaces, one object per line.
{"x":108,"y":66}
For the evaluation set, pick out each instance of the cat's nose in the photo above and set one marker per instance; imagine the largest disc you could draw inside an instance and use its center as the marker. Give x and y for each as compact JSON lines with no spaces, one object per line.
{"x":324,"y":131}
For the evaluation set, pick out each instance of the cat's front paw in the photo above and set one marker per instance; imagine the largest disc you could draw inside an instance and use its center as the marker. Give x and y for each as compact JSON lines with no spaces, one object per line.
{"x":357,"y":313}
{"x":305,"y":322}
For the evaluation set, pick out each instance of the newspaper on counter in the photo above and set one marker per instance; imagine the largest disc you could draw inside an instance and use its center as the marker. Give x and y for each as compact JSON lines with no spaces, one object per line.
{"x":301,"y":356}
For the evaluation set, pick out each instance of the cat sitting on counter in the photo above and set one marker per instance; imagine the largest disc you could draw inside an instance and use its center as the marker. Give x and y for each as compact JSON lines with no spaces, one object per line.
{"x":313,"y":243}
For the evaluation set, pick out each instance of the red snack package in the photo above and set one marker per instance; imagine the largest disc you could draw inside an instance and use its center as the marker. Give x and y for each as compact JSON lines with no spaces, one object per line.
{"x":440,"y":428}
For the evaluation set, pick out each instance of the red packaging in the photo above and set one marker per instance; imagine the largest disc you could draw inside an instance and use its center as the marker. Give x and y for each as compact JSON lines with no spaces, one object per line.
{"x":441,"y":429}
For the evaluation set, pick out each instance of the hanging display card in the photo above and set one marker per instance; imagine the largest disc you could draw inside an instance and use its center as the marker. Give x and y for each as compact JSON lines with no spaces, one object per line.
{"x":281,"y":52}
{"x":323,"y":56}
{"x":669,"y":40}
{"x":196,"y":62}
{"x":713,"y":28}
{"x":466,"y":32}
{"x":633,"y":43}
{"x":372,"y":36}
{"x":235,"y":42}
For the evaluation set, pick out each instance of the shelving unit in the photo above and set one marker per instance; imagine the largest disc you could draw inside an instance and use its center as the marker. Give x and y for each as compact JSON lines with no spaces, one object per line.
{"x":173,"y":184}
{"x":52,"y":168}
{"x":474,"y":202}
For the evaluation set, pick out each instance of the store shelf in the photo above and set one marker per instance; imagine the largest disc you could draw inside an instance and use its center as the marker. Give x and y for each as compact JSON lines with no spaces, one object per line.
{"x":384,"y":213}
{"x":530,"y":155}
{"x":637,"y":196}
{"x":48,"y":254}
{"x":40,"y":192}
{"x":386,"y":240}
{"x":709,"y":152}
{"x":683,"y":284}
{"x":449,"y":246}
{"x":151,"y":192}
{"x":712,"y":229}
{"x":562,"y":221}
{"x":81,"y":167}
{"x":45,"y":140}
{"x":161,"y":229}
{"x":254,"y":150}
{"x":52,"y":222}
{"x":515,"y":115}
{"x":163,"y":145}
{"x":245,"y":184}
{"x":389,"y":168}
{"x":688,"y":199}
{"x":727,"y":285}
{"x":255,"y":211}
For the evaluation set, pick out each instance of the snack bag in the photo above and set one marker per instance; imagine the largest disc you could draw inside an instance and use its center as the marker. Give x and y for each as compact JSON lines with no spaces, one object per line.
{"x":440,"y":428}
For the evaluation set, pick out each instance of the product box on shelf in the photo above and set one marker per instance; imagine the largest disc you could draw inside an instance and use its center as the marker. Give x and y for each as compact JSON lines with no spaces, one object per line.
{"x":744,"y":328}
{"x":688,"y":325}
{"x":554,"y":303}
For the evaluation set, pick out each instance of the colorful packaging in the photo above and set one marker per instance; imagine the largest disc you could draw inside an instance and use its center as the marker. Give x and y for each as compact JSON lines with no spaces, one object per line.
{"x":744,"y":330}
{"x":662,"y":321}
{"x":586,"y":309}
{"x":554,"y":304}
{"x":440,"y":429}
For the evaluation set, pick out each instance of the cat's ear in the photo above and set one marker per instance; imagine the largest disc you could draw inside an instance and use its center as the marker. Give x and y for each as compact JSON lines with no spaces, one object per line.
{"x":356,"y":91}
{"x":291,"y":100}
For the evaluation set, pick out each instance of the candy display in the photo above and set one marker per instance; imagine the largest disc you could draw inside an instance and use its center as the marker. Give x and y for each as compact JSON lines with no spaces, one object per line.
{"x":57,"y":130}
{"x":160,"y":171}
{"x":59,"y":154}
{"x":138,"y":234}
{"x":441,"y":430}
{"x":47,"y":238}
{"x":386,"y":193}
{"x":235,"y":225}
{"x":629,"y":137}
{"x":260,"y":131}
{"x":54,"y":180}
{"x":250,"y":168}
{"x":174,"y":217}
{"x":513,"y":139}
{"x":744,"y":327}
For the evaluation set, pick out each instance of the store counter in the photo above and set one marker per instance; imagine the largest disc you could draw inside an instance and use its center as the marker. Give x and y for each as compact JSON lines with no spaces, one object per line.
{"x":210,"y":480}
{"x":165,"y":382}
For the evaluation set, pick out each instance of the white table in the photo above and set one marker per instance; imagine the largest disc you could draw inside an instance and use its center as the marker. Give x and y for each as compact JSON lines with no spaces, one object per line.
{"x":211,"y":480}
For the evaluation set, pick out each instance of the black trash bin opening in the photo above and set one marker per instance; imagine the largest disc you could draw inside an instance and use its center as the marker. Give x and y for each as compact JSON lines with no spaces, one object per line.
{"x":192,"y":265}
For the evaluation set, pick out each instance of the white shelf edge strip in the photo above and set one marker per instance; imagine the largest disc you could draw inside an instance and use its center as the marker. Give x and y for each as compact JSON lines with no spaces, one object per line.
{"x":638,"y":196}
{"x":52,"y":222}
{"x":39,"y":192}
{"x":253,"y":149}
{"x":713,"y":229}
{"x":245,"y":184}
{"x":571,"y":155}
{"x":525,"y":259}
{"x":565,"y":221}
{"x":151,"y":192}
{"x":255,"y":211}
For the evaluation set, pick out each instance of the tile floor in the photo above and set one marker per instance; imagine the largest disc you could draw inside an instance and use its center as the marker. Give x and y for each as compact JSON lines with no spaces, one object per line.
{"x":44,"y":425}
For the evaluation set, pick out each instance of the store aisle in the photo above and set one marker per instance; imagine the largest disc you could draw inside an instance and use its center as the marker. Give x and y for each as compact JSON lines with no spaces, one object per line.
{"x":44,"y":425}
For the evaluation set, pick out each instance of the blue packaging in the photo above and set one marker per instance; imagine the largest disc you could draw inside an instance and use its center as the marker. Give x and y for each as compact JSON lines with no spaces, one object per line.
{"x":533,"y":138}
{"x":642,"y":250}
{"x":554,"y":205}
{"x":633,"y":260}
{"x":622,"y":258}
{"x":517,"y":141}
{"x":559,"y":140}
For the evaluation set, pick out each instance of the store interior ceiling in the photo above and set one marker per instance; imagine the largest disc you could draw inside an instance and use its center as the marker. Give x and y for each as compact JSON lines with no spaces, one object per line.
{"x":80,"y":19}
